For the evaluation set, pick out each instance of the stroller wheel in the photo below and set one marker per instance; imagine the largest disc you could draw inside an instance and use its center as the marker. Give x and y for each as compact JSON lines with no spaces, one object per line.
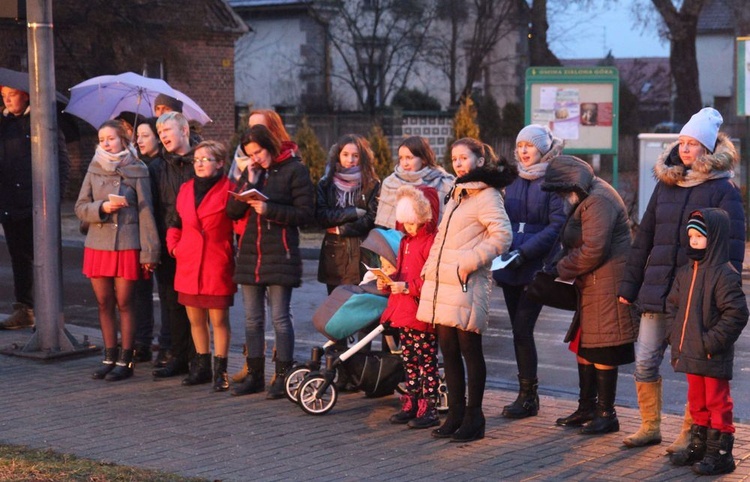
{"x":311,"y":401}
{"x":293,"y":381}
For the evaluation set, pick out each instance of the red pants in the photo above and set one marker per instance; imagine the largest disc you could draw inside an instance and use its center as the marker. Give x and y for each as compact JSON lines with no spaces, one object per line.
{"x":710,"y":403}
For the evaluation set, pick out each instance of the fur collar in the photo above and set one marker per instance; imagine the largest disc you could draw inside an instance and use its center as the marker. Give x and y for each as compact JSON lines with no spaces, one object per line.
{"x":670,"y":170}
{"x":497,"y":177}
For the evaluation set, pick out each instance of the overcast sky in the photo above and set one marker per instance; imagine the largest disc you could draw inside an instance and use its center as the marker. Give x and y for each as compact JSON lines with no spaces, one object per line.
{"x":576,"y":33}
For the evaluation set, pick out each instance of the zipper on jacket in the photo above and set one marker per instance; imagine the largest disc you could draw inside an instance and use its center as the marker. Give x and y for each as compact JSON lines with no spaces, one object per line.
{"x":687,"y":308}
{"x":257,"y":247}
{"x":440,"y":255}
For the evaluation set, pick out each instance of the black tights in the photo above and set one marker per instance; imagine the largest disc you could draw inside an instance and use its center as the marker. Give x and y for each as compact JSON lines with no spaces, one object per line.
{"x":523,"y":315}
{"x":459,"y":347}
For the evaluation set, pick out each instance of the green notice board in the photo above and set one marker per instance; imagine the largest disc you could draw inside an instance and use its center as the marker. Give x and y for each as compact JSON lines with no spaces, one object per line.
{"x":579,"y":104}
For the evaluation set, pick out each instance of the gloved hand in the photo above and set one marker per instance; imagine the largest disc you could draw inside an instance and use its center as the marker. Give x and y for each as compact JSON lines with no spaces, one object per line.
{"x":517,"y":261}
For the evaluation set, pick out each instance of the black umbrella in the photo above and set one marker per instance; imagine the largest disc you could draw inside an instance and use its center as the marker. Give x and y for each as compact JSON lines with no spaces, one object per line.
{"x":20,"y":81}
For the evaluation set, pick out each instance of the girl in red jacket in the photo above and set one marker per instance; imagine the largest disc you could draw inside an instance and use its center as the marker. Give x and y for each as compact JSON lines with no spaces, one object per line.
{"x":416,"y":215}
{"x":201,"y":239}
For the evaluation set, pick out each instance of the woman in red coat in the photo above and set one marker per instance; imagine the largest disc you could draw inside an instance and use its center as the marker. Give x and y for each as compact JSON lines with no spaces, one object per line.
{"x":200,"y":238}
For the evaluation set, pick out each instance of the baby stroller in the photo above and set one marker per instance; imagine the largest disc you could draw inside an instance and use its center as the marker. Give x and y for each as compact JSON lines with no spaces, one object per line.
{"x":348,"y":310}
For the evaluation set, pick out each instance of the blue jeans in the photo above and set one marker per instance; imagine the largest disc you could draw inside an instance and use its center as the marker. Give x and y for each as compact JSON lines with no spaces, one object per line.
{"x":279,"y":301}
{"x":649,"y":351}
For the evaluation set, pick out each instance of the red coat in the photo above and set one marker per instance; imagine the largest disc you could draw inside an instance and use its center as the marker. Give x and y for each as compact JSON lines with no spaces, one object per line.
{"x":413,"y":251}
{"x":203,"y":246}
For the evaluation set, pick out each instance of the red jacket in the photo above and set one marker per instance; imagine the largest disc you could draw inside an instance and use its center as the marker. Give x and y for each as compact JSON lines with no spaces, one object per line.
{"x":413,"y":251}
{"x":203,"y":246}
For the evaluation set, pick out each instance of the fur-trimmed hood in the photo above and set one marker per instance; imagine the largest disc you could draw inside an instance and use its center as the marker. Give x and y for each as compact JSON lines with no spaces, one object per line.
{"x":493,"y":176}
{"x":670,"y":170}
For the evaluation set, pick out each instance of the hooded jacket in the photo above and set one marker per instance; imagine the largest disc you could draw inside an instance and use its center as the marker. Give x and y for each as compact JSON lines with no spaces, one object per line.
{"x":658,"y":249}
{"x":131,"y":227}
{"x":536,"y":217}
{"x":595,"y":239}
{"x":412,"y":255}
{"x":706,"y":308}
{"x":474,"y":230}
{"x":269,"y":251}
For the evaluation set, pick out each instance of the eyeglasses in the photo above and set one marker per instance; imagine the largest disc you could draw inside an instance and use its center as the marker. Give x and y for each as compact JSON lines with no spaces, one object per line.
{"x":202,"y":160}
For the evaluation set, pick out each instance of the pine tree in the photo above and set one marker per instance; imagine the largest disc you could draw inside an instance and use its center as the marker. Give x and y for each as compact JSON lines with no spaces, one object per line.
{"x":464,"y":125}
{"x":382,"y":150}
{"x":310,"y":150}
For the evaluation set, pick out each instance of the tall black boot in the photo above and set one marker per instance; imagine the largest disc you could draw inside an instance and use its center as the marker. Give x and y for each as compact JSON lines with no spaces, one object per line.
{"x":472,"y":428}
{"x":605,"y":418}
{"x":221,"y":379}
{"x":527,"y":402}
{"x":255,"y":381}
{"x":718,"y":458}
{"x":586,"y":398}
{"x":456,"y":412}
{"x":200,"y":370}
{"x":276,"y":390}
{"x":123,"y":368}
{"x":108,"y":364}
{"x":695,"y":450}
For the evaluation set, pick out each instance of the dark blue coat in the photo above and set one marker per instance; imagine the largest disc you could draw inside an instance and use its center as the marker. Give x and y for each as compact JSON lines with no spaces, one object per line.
{"x":659,"y":246}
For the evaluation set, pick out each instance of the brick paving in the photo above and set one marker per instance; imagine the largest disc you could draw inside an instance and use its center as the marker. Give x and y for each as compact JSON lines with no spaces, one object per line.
{"x":194,"y":432}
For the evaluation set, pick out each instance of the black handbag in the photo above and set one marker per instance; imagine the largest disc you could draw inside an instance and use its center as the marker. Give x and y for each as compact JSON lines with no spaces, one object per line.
{"x":544,"y":290}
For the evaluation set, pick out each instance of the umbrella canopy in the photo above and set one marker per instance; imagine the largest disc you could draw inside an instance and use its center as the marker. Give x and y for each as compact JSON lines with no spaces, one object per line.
{"x":20,"y":81}
{"x":105,"y":97}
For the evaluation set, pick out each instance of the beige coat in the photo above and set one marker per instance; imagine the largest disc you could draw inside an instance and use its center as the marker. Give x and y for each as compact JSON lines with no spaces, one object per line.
{"x":474,"y":230}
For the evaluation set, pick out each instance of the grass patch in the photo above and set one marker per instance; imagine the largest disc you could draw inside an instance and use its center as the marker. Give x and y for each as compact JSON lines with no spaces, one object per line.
{"x":25,"y":464}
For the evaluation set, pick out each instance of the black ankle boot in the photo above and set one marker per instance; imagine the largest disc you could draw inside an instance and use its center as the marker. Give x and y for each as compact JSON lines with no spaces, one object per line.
{"x":695,"y":451}
{"x":472,"y":428}
{"x":276,"y":390}
{"x":605,"y":419}
{"x":108,"y":364}
{"x":527,"y":402}
{"x":123,"y":368}
{"x":173,"y":368}
{"x":254,"y":382}
{"x":718,"y":458}
{"x":408,"y":410}
{"x":427,"y":415}
{"x":221,"y":379}
{"x":586,"y":398}
{"x":200,"y":370}
{"x":456,"y":411}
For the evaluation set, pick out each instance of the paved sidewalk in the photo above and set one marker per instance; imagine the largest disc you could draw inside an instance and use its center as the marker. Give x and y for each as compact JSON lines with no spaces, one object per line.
{"x":194,"y":432}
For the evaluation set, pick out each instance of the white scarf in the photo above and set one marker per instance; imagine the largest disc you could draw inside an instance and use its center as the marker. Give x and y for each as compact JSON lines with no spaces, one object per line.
{"x":108,"y":161}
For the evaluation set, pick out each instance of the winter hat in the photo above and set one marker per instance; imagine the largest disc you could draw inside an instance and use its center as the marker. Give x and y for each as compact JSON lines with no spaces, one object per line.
{"x":412,"y":206}
{"x":704,"y":126}
{"x":697,"y":222}
{"x":171,"y":102}
{"x":538,"y":135}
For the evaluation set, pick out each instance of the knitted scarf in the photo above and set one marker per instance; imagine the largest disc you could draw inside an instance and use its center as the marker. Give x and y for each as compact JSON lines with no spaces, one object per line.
{"x":693,"y":178}
{"x":412,"y":177}
{"x":348,"y":184}
{"x":533,"y":172}
{"x":110,"y":162}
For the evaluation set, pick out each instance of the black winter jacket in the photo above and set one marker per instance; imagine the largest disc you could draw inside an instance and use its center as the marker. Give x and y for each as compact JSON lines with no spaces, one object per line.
{"x":658,"y":249}
{"x":16,"y":199}
{"x":269,"y":248}
{"x":706,"y":308}
{"x":168,"y":173}
{"x":339,"y":255}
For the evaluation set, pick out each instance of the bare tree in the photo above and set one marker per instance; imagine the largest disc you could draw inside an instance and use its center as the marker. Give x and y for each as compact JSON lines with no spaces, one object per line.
{"x":539,"y":51}
{"x":444,"y":53}
{"x":378,"y":42}
{"x":682,"y":28}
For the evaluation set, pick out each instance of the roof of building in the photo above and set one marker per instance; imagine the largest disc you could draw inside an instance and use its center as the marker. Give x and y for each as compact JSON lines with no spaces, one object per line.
{"x":266,"y":3}
{"x":716,"y":16}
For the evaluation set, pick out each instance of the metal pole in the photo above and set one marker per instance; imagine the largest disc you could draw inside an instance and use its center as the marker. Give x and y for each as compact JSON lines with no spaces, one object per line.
{"x":50,"y":325}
